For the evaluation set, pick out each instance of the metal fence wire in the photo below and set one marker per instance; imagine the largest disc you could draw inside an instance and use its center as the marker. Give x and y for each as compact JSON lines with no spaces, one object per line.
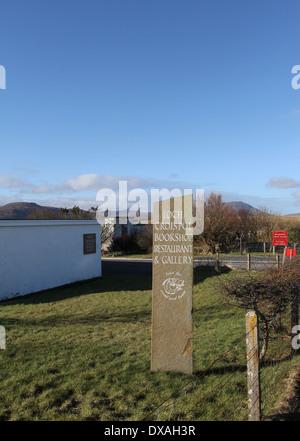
{"x":221,"y":391}
{"x":217,"y":393}
{"x":279,"y":362}
{"x":242,"y":262}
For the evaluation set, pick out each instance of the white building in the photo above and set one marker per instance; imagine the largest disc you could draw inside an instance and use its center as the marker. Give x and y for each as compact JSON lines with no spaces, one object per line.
{"x":41,"y":254}
{"x":116,"y":227}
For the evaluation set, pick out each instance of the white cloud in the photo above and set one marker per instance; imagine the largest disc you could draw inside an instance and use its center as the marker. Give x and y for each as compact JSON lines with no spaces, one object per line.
{"x":283,"y":183}
{"x":42,"y":189}
{"x":296,"y":195}
{"x":11,"y":182}
{"x":82,"y":190}
{"x":94,"y":182}
{"x":87,"y":182}
{"x":66,"y":201}
{"x":9,"y":199}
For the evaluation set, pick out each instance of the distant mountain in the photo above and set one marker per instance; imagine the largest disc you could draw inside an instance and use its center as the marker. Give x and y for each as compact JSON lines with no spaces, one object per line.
{"x":294,"y":214}
{"x":31,"y":210}
{"x":28,"y":210}
{"x":239,"y":205}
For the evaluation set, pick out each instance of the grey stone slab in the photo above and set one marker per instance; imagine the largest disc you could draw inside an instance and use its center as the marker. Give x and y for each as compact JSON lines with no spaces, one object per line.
{"x":172,"y":297}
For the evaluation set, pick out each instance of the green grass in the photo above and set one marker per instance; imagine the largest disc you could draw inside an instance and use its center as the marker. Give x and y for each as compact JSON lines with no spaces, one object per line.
{"x":129,"y":256}
{"x":82,"y":352}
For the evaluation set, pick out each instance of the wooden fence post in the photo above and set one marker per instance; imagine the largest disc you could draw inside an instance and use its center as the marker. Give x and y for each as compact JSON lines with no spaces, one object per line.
{"x":277,"y":261}
{"x":253,"y":370}
{"x":248,"y":261}
{"x":284,"y":254}
{"x":217,"y":262}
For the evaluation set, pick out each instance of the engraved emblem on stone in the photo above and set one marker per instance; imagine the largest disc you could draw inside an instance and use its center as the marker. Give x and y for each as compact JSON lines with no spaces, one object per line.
{"x":173,"y":286}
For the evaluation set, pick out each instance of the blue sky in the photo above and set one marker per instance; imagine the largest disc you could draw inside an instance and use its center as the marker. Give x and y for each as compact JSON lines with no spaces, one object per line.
{"x":163,"y":93}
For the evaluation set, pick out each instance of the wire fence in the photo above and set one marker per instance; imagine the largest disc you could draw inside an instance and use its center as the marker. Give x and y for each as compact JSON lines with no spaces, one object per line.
{"x":280,"y":358}
{"x":221,"y":391}
{"x":242,"y":262}
{"x":217,"y":393}
{"x":267,"y":247}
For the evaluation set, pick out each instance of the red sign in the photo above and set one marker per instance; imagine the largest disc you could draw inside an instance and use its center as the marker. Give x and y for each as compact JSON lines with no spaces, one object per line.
{"x":280,"y":238}
{"x":290,"y":252}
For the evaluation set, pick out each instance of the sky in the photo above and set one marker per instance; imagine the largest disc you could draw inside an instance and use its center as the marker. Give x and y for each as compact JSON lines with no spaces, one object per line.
{"x":162,"y":93}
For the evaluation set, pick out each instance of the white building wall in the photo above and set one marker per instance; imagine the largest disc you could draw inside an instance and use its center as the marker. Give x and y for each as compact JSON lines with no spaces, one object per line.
{"x":38,"y":255}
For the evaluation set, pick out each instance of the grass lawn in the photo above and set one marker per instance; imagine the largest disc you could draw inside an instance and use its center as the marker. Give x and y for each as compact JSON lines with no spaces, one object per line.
{"x":82,"y":352}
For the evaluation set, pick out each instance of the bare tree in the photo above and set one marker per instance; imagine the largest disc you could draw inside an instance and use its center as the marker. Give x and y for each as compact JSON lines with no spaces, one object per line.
{"x":65,"y":212}
{"x":246,"y":227}
{"x":267,"y":221}
{"x":219,"y":224}
{"x":76,"y":211}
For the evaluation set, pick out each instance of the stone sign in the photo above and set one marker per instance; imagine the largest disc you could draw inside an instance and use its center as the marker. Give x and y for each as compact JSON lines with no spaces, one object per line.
{"x":89,"y":244}
{"x":172,"y":300}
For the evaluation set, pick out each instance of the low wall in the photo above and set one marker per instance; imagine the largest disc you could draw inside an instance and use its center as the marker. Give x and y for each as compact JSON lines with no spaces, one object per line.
{"x":38,"y":255}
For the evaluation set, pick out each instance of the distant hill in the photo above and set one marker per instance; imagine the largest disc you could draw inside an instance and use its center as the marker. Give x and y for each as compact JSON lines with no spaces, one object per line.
{"x":239,"y":205}
{"x":28,"y":210}
{"x":31,"y":210}
{"x":294,"y":214}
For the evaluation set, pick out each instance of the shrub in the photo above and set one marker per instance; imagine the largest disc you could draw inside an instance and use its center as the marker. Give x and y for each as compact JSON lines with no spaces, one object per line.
{"x":126,"y":243}
{"x":145,"y":239}
{"x":267,"y":293}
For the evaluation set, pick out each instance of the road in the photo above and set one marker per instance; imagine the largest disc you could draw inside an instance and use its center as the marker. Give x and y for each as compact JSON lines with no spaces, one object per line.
{"x":119,"y":265}
{"x":127,"y":266}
